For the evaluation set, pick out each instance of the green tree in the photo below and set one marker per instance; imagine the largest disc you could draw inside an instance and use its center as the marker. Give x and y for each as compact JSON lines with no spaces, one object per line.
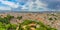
{"x":19,"y":17}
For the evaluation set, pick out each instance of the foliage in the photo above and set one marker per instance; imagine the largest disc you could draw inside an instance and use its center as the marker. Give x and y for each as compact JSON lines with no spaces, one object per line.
{"x":19,"y":17}
{"x":41,"y":25}
{"x":50,"y":18}
{"x":6,"y":19}
{"x":9,"y":17}
{"x":5,"y":24}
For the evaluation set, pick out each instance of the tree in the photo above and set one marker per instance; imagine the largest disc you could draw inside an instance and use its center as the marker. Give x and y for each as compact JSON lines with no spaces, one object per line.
{"x":19,"y":17}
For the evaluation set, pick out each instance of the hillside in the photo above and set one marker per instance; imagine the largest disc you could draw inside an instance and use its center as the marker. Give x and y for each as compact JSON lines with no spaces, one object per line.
{"x":12,"y":19}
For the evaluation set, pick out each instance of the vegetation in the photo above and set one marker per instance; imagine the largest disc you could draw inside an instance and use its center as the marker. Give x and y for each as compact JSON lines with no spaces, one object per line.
{"x":25,"y":25}
{"x":39,"y":26}
{"x":5,"y":24}
{"x":50,"y":18}
{"x":9,"y":17}
{"x":6,"y":19}
{"x":19,"y":17}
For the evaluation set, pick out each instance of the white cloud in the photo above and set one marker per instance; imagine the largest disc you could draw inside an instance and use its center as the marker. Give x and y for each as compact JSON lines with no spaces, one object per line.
{"x":4,"y":8}
{"x":39,"y":5}
{"x":11,"y":4}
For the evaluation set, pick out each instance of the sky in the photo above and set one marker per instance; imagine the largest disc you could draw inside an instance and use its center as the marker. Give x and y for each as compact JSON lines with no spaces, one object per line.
{"x":30,"y":5}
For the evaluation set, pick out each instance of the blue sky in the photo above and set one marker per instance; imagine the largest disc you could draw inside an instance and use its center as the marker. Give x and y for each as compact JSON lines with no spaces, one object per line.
{"x":52,"y":4}
{"x":30,"y":5}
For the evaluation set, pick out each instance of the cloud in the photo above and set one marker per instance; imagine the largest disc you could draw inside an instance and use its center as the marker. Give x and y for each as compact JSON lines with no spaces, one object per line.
{"x":11,"y":4}
{"x":4,"y":8}
{"x":42,"y":5}
{"x":8,"y":5}
{"x":52,"y":4}
{"x":37,"y":6}
{"x":22,"y":2}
